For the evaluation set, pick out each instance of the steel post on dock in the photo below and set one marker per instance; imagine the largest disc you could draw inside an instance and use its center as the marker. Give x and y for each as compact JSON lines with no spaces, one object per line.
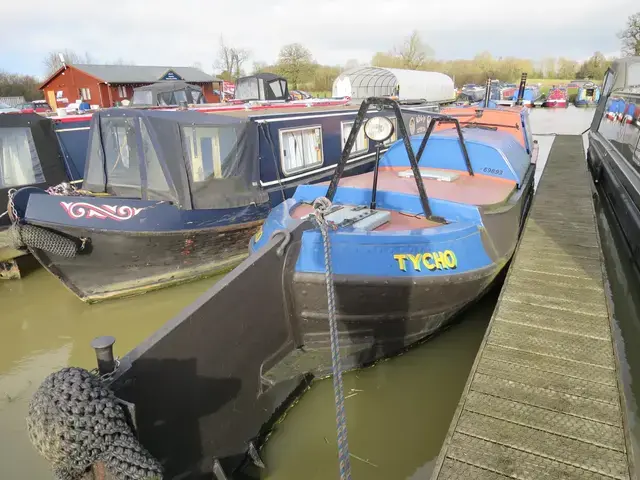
{"x":543,"y":399}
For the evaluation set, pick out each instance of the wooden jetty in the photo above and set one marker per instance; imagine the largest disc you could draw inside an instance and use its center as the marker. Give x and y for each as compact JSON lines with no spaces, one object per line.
{"x":543,"y":399}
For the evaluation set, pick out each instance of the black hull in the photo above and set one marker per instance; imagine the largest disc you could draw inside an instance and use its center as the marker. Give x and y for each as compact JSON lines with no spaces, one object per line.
{"x":376,"y":318}
{"x":116,"y":264}
{"x":619,"y":182}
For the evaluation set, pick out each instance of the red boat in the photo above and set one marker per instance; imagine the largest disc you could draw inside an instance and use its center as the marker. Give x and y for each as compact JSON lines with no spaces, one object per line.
{"x":557,"y":98}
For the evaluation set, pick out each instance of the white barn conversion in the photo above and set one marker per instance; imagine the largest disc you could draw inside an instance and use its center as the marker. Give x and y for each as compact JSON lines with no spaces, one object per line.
{"x":363,"y":82}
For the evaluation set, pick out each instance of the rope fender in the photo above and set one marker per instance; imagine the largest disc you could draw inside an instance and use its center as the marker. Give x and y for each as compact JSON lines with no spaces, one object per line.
{"x":74,"y":421}
{"x":36,"y":237}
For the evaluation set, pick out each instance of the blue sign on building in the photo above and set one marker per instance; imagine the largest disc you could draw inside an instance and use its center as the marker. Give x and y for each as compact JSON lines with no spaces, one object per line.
{"x":171,"y":75}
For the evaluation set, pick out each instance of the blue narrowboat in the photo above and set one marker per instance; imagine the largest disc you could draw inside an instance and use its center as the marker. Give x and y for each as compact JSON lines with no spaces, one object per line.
{"x":588,"y":95}
{"x":414,"y":241}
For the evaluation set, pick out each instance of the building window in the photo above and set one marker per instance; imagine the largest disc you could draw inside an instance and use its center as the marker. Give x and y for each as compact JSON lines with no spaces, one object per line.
{"x":300,"y":149}
{"x":362,"y":142}
{"x":85,"y":94}
{"x":122,"y":91}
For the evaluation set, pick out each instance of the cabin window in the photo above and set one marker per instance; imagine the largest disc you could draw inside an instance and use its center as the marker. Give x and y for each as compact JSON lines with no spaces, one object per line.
{"x":208,"y":148}
{"x":394,"y":135}
{"x":122,"y":91}
{"x":157,"y":186}
{"x":180,"y":96}
{"x":247,"y":90}
{"x":19,"y":162}
{"x":142,"y":97}
{"x":607,"y":85}
{"x":121,"y":156}
{"x":300,"y":149}
{"x":362,"y":142}
{"x":276,"y":88}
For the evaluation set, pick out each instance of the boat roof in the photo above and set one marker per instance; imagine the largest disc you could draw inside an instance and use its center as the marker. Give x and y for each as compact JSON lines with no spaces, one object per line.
{"x":626,"y":73}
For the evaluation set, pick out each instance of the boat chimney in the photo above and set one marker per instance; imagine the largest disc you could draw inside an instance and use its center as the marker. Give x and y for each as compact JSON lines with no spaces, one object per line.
{"x":487,"y":93}
{"x":104,"y":354}
{"x":523,"y":84}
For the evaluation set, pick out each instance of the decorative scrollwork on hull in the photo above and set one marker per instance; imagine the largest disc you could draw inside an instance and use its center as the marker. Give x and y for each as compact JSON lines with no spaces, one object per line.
{"x":86,"y":210}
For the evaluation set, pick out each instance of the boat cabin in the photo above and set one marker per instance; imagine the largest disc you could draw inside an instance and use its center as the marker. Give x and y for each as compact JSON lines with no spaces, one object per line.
{"x":614,"y":148}
{"x":169,"y":93}
{"x":29,"y":155}
{"x":193,"y":160}
{"x":262,"y":87}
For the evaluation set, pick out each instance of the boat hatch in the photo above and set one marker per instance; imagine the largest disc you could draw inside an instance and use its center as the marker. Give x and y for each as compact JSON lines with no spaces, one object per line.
{"x":432,"y":174}
{"x":357,"y":216}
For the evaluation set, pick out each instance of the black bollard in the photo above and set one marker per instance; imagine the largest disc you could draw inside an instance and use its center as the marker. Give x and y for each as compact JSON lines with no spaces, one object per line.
{"x":104,"y":354}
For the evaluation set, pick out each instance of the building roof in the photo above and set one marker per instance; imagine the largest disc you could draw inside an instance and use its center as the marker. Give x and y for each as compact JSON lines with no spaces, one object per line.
{"x":139,"y":73}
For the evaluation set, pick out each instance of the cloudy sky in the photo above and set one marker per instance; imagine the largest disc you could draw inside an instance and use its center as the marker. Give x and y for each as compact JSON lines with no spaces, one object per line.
{"x":162,"y":32}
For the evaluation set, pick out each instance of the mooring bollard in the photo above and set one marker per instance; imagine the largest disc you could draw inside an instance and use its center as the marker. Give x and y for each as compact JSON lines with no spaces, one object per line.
{"x":104,"y":354}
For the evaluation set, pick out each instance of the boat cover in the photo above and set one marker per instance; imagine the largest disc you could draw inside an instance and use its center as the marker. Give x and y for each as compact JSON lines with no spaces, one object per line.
{"x":29,"y":154}
{"x":166,"y":93}
{"x":193,"y":159}
{"x":263,"y":86}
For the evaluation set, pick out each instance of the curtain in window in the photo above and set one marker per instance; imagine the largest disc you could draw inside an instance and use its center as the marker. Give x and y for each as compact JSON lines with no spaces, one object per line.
{"x":302,"y":149}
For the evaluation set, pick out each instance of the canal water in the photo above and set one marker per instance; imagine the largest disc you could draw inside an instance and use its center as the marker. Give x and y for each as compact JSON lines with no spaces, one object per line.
{"x":398,"y":412}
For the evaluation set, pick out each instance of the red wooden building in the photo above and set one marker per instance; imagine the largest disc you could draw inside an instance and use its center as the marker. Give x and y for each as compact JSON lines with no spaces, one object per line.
{"x":108,"y":85}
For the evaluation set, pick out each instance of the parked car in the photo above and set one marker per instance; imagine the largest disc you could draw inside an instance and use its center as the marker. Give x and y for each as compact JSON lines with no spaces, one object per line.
{"x":4,"y":108}
{"x":36,"y":106}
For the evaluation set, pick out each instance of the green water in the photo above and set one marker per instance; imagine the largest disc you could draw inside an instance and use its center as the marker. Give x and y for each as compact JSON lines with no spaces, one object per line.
{"x":43,"y":328}
{"x":398,"y":412}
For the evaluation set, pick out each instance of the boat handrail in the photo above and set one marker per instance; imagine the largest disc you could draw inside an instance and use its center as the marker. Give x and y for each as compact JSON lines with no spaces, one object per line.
{"x":385,"y":102}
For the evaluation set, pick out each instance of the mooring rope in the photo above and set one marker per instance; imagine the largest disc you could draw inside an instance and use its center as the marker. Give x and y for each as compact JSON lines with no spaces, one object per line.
{"x":321,"y":206}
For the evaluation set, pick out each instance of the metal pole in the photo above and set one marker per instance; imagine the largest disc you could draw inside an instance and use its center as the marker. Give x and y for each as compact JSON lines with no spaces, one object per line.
{"x":374,"y":189}
{"x":104,"y":354}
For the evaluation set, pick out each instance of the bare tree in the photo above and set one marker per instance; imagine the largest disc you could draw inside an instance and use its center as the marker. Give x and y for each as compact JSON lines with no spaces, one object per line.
{"x":413,"y":52}
{"x":52,"y":61}
{"x":630,"y":36}
{"x":295,"y":62}
{"x":231,"y":59}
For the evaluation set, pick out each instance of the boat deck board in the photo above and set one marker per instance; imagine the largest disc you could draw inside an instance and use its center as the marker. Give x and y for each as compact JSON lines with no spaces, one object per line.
{"x":543,"y":400}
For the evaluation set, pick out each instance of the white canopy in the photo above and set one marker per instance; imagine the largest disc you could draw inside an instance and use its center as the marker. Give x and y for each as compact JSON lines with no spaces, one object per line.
{"x":363,"y":82}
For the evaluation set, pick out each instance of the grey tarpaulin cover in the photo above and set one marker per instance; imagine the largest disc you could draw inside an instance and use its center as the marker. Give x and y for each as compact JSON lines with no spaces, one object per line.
{"x":262,"y":86}
{"x":194,"y":159}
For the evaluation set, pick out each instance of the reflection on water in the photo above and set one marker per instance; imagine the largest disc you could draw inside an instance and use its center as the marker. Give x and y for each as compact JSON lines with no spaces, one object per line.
{"x":43,"y":328}
{"x":398,"y":412}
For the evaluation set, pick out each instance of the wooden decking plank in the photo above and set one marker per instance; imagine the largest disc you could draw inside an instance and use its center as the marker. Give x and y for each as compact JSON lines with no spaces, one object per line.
{"x":542,"y":400}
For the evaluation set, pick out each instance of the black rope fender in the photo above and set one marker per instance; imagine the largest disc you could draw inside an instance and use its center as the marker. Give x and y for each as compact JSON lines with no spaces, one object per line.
{"x":75,"y":422}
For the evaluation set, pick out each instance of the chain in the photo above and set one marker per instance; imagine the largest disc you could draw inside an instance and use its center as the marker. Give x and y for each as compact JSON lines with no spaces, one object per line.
{"x":63,"y":188}
{"x":321,"y":207}
{"x":107,"y":376}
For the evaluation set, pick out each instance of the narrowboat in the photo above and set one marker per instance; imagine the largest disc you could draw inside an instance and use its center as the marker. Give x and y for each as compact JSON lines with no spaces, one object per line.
{"x":29,"y":157}
{"x":171,"y":196}
{"x":588,"y":95}
{"x":557,"y":98}
{"x":613,"y":155}
{"x":414,"y":241}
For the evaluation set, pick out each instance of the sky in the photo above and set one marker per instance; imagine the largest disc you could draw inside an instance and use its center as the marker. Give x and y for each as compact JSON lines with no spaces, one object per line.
{"x":161,"y":32}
